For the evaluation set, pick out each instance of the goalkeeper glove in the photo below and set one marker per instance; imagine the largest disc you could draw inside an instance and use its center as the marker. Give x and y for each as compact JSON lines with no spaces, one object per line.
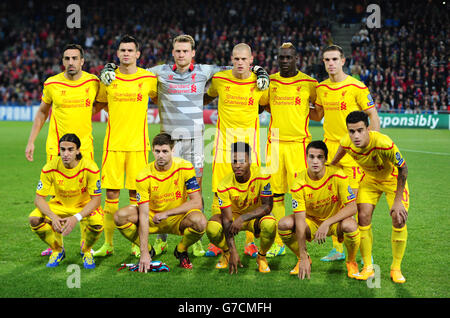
{"x":107,"y":74}
{"x":262,"y":77}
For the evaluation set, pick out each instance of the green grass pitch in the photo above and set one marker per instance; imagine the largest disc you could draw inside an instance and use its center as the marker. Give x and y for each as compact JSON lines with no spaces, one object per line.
{"x":23,"y":272}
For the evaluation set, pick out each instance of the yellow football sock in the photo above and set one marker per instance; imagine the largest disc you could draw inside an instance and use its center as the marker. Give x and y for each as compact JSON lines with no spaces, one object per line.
{"x":268,"y":225}
{"x":352,"y":242}
{"x":249,"y":237}
{"x":83,"y":233}
{"x":111,"y":207}
{"x":337,"y":245}
{"x":131,"y":233}
{"x":46,"y":233}
{"x":366,"y":244}
{"x":290,"y":239}
{"x":91,"y":237}
{"x":278,"y":212}
{"x":214,"y":231}
{"x":398,"y":241}
{"x":190,"y":236}
{"x":133,"y":201}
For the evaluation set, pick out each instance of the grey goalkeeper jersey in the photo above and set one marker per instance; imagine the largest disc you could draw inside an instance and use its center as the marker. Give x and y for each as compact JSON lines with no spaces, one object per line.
{"x":180,"y":98}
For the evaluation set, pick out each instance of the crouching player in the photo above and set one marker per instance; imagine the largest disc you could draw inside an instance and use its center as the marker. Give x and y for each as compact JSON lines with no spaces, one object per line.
{"x":323,"y":204}
{"x":77,"y":198}
{"x":245,"y":201}
{"x":385,"y":171}
{"x":169,"y":202}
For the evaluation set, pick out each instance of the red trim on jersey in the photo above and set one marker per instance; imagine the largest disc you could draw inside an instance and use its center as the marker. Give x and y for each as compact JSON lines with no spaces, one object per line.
{"x":168,"y":177}
{"x":110,"y":201}
{"x":224,"y":207}
{"x":326,"y":181}
{"x":135,"y":79}
{"x":367,"y":153}
{"x":286,"y":83}
{"x":254,"y":141}
{"x":239,"y":190}
{"x":65,"y":84}
{"x":335,"y":89}
{"x":234,"y":82}
{"x":139,"y":203}
{"x":145,"y":141}
{"x":191,"y":67}
{"x":67,"y":177}
{"x":57,"y":133}
{"x":217,"y":143}
{"x":107,"y":144}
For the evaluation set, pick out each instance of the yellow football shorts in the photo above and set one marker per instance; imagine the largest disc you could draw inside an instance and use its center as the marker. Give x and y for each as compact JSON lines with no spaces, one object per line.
{"x":116,"y":164}
{"x":332,"y":231}
{"x":285,"y":161}
{"x":93,"y":219}
{"x":370,"y":191}
{"x":350,"y":167}
{"x":171,"y":225}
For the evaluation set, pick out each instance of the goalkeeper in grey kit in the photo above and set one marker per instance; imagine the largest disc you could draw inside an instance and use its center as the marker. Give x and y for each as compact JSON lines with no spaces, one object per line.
{"x":181,"y":87}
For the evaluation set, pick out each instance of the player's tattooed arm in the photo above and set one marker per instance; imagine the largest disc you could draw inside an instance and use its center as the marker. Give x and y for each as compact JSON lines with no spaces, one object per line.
{"x":398,"y":211}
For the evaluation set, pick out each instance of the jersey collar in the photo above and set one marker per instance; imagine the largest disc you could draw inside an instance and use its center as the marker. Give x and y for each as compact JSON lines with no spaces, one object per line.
{"x":191,"y":67}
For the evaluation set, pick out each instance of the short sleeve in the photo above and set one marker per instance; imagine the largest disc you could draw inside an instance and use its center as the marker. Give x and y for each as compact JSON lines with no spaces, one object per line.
{"x":47,"y":95}
{"x":298,"y":200}
{"x":45,"y":183}
{"x":101,"y":95}
{"x":266,"y":190}
{"x":142,"y":189}
{"x":93,"y":178}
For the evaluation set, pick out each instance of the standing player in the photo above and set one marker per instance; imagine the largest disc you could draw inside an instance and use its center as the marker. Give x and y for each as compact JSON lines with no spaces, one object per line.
{"x":70,"y":95}
{"x":337,"y":96}
{"x":77,"y":196}
{"x":125,"y":149}
{"x":289,"y":95}
{"x":245,"y":201}
{"x":384,"y":171}
{"x":238,"y":119}
{"x":169,"y":201}
{"x":323,"y":204}
{"x":181,"y":87}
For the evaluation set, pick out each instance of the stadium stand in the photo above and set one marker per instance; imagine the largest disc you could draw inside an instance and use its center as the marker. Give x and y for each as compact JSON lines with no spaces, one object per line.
{"x":404,"y":63}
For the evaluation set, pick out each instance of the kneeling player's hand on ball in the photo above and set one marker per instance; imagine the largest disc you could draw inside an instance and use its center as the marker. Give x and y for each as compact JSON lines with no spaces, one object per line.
{"x":107,"y":74}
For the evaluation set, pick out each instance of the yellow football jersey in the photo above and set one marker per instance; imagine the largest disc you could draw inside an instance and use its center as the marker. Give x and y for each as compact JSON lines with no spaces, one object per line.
{"x":339,"y":99}
{"x":166,"y":190}
{"x":379,"y":160}
{"x":71,"y":110}
{"x":289,"y":99}
{"x":244,"y":197}
{"x":238,"y":107}
{"x":127,"y":99}
{"x":321,"y":199}
{"x":73,"y":187}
